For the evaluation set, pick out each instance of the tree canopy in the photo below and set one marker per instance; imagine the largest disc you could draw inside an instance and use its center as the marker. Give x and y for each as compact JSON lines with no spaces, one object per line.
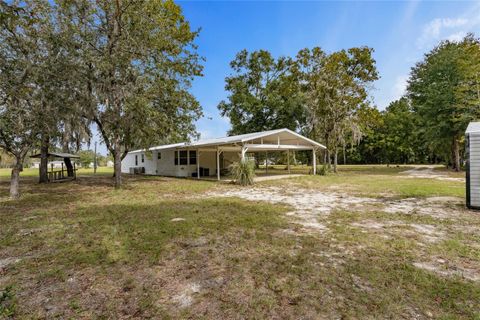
{"x":335,"y":87}
{"x":326,"y":96}
{"x":21,"y":74}
{"x":443,"y":89}
{"x":264,"y":93}
{"x":125,"y":65}
{"x":137,"y":70}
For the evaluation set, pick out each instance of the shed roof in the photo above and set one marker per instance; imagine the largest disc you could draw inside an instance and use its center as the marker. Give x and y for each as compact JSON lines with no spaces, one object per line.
{"x":473,"y":127}
{"x":57,"y":155}
{"x":233,"y":140}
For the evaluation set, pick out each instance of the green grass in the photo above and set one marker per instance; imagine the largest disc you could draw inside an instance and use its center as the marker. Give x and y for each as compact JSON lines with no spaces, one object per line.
{"x":31,"y":172}
{"x":85,"y":250}
{"x":380,"y":181}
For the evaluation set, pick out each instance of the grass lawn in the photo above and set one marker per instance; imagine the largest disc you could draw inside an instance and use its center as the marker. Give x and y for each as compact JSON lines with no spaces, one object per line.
{"x":378,"y":181}
{"x":31,"y":172}
{"x":178,"y":248}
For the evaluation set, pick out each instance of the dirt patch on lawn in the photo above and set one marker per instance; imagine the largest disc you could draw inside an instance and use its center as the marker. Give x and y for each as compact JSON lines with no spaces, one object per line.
{"x":437,"y":207}
{"x":310,"y":208}
{"x":428,"y":172}
{"x":425,"y":233}
{"x":444,"y":268}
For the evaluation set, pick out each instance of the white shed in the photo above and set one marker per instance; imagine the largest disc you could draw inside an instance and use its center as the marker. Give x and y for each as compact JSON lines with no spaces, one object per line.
{"x":211,"y":156}
{"x":472,"y":156}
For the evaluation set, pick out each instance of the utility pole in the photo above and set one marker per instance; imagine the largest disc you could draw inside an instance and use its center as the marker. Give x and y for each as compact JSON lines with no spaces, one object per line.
{"x":95,"y":159}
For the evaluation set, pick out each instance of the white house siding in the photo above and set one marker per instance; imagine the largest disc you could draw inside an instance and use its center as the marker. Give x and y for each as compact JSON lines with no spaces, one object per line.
{"x":165,"y":166}
{"x":207,"y":160}
{"x":129,"y":162}
{"x":474,"y":158}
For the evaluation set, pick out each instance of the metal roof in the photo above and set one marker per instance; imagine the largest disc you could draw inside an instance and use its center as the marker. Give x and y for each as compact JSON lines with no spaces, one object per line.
{"x":473,"y":127}
{"x":56,"y":155}
{"x":232,"y":140}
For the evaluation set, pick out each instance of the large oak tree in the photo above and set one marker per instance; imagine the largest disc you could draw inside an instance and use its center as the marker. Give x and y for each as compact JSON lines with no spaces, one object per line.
{"x":264,"y":93}
{"x":335,"y":87}
{"x":138,"y":60}
{"x":20,"y":71}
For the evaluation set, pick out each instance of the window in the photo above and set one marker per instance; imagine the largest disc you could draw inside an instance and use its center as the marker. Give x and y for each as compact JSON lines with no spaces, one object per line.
{"x":136,"y":160}
{"x":143,"y":158}
{"x":183,"y":158}
{"x":159,"y":155}
{"x":193,"y":157}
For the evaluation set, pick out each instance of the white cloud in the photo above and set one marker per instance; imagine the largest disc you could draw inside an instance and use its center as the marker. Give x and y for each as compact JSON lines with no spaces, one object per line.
{"x":435,"y":29}
{"x":205,"y":134}
{"x":457,"y":36}
{"x":399,"y":87}
{"x":453,"y":28}
{"x":213,"y":126}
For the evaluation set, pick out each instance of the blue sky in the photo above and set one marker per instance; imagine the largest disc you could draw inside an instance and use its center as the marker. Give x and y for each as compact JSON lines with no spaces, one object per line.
{"x":400,"y":33}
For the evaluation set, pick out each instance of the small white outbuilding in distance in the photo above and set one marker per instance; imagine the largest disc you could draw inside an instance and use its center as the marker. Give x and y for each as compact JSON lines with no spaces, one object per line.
{"x":472,"y":165}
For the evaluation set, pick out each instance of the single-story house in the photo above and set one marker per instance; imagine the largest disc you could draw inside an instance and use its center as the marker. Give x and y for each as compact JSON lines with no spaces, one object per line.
{"x":211,"y":157}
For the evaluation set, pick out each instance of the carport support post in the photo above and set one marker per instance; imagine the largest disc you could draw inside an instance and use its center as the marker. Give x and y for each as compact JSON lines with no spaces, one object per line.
{"x":288,"y":161}
{"x":314,"y":162}
{"x":218,"y":164}
{"x":266,"y":162}
{"x":198,"y":164}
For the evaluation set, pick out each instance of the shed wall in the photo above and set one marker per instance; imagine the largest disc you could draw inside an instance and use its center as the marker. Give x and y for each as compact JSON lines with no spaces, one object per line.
{"x":474,"y":169}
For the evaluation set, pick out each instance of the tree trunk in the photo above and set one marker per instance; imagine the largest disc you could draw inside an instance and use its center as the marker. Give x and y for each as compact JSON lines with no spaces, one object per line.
{"x":15,"y":178}
{"x":344,"y":155}
{"x":68,"y":161}
{"x":328,"y":157}
{"x":43,"y":169}
{"x":335,"y":160}
{"x":456,"y":154}
{"x":68,"y":164}
{"x":117,"y":168}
